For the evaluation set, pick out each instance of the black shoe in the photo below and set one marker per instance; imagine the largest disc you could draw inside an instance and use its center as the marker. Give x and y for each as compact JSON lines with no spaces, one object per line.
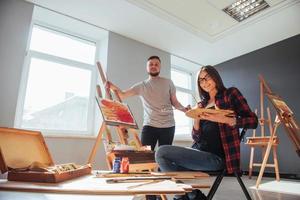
{"x":196,"y":195}
{"x":200,"y":196}
{"x":181,"y":197}
{"x":153,"y":197}
{"x":150,"y":197}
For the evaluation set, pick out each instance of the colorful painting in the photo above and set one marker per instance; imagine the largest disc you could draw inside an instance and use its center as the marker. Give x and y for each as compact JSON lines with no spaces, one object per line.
{"x":115,"y":113}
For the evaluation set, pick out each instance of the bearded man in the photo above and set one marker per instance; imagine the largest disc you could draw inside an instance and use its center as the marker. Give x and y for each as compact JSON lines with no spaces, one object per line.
{"x":158,"y":95}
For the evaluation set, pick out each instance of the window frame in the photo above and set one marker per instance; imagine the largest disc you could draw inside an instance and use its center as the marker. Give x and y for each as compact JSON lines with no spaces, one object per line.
{"x":174,"y":67}
{"x":65,"y":61}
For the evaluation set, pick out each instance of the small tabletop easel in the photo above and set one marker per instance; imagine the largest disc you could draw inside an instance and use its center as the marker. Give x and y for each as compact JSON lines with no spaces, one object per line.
{"x":266,"y":143}
{"x":122,"y":131}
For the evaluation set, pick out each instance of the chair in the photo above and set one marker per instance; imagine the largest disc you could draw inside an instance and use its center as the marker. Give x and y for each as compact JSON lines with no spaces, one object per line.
{"x":221,"y":175}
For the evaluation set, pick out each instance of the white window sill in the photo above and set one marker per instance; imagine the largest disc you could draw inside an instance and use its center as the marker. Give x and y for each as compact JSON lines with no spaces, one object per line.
{"x":70,"y":136}
{"x":183,"y":137}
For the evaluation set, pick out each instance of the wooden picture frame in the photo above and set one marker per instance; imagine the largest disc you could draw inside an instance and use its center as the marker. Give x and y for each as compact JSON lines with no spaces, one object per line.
{"x":287,"y":118}
{"x":280,"y":105}
{"x":115,"y":113}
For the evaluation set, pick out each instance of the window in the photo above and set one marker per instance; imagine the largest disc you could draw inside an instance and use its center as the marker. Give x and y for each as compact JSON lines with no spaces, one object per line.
{"x":62,"y":45}
{"x":56,"y":91}
{"x":184,"y":93}
{"x":183,"y":74}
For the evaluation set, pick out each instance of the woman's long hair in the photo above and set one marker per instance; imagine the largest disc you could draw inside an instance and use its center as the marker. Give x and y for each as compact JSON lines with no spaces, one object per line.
{"x":214,"y":74}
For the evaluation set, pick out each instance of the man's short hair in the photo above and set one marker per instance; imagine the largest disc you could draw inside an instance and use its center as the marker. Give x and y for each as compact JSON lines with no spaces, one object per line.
{"x":154,"y":57}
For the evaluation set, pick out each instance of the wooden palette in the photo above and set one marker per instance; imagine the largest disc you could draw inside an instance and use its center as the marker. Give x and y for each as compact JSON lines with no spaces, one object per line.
{"x":197,"y":112}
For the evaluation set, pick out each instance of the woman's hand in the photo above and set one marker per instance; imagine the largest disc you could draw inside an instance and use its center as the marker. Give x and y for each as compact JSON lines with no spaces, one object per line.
{"x":220,"y":118}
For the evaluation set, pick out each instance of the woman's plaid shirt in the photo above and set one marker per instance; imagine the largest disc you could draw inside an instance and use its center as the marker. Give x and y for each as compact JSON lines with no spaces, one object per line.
{"x":232,"y":99}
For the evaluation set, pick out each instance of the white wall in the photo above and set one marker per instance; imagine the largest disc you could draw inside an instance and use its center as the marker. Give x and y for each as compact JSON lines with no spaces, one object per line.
{"x":126,"y":66}
{"x":76,"y":150}
{"x":15,"y":19}
{"x":126,"y":61}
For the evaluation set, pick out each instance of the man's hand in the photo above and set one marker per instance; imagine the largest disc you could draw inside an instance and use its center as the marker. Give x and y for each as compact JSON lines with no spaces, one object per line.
{"x":109,"y":85}
{"x":184,"y":109}
{"x":187,"y":108}
{"x":123,"y":94}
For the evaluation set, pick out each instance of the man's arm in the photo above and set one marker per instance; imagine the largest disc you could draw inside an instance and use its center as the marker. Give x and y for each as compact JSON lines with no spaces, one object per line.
{"x":122,"y":93}
{"x":177,"y":104}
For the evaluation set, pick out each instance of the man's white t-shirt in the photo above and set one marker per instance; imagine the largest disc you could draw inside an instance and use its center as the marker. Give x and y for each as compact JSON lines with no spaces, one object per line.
{"x":156,"y":93}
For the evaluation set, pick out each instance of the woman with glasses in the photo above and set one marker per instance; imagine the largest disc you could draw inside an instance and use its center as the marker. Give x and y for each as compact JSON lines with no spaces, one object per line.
{"x":216,"y":137}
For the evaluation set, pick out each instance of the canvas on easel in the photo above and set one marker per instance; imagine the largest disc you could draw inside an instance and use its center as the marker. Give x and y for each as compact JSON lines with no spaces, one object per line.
{"x":265,"y":142}
{"x":284,"y":116}
{"x":117,"y":115}
{"x":280,"y":106}
{"x":287,"y":119}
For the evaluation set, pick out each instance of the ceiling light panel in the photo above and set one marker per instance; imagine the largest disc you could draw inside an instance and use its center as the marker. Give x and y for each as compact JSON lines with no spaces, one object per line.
{"x":243,"y":9}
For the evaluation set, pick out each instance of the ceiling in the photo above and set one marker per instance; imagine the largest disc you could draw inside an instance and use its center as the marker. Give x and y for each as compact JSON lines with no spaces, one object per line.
{"x":197,"y":30}
{"x":204,"y":18}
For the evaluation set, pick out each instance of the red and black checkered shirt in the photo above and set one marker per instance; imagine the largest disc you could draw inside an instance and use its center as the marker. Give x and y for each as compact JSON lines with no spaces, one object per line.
{"x":231,"y":99}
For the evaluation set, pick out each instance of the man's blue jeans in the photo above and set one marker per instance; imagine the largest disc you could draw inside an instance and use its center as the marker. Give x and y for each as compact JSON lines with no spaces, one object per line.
{"x":175,"y":158}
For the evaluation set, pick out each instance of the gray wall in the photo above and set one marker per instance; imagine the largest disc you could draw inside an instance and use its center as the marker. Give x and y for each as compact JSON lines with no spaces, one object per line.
{"x":279,"y":64}
{"x":15,"y":19}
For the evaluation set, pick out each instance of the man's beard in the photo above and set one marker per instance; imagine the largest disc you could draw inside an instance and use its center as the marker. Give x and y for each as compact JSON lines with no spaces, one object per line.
{"x":153,"y":74}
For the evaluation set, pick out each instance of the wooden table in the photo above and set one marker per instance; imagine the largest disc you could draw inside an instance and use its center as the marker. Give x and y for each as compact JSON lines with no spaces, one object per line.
{"x":91,"y":185}
{"x":13,"y":195}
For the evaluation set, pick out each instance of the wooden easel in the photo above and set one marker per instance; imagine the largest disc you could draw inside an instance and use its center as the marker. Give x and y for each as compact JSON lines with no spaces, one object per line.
{"x":266,"y":143}
{"x":122,"y":132}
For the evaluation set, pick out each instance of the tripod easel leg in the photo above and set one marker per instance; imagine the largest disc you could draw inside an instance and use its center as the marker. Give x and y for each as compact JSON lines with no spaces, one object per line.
{"x":276,"y":163}
{"x":96,"y":145}
{"x":251,"y":162}
{"x":263,"y":165}
{"x":267,"y":153}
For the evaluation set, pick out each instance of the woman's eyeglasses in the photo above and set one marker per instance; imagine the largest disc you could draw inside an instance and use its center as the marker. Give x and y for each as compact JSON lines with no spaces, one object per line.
{"x":205,"y":78}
